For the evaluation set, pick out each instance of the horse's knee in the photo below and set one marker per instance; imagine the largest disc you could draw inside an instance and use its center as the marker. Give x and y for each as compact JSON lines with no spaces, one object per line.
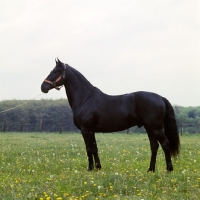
{"x":89,"y":152}
{"x":165,"y":145}
{"x":154,"y":147}
{"x":162,"y":139}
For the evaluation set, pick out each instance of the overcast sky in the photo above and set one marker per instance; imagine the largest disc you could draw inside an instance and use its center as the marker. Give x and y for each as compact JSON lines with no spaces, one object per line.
{"x":120,"y":46}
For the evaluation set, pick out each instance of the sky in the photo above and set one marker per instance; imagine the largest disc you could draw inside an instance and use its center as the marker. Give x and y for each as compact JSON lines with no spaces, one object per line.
{"x":120,"y":46}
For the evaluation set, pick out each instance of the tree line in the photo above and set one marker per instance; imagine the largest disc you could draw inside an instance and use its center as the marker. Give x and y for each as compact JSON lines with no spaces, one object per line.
{"x":56,"y":115}
{"x":52,"y":115}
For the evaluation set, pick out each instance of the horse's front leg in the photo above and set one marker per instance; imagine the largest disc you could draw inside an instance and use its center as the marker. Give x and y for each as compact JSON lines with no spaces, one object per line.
{"x":95,"y":151}
{"x":87,"y":136}
{"x":91,"y":148}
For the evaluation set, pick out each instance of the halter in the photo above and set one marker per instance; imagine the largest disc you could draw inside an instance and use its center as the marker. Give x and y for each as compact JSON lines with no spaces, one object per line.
{"x":54,"y":83}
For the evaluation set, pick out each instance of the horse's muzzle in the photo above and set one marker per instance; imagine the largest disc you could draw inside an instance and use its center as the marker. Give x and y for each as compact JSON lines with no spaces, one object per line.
{"x":44,"y":89}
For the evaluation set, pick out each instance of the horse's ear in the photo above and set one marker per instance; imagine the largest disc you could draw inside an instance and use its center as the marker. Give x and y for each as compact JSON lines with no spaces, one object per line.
{"x":56,"y":61}
{"x":59,"y":61}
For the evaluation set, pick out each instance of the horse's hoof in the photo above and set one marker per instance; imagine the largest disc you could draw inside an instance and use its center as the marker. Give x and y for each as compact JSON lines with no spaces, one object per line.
{"x":98,"y":167}
{"x":170,"y":170}
{"x":90,"y":169}
{"x":151,"y":170}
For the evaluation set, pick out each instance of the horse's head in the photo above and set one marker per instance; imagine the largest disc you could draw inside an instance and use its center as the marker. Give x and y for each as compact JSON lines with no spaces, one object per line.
{"x":55,"y":78}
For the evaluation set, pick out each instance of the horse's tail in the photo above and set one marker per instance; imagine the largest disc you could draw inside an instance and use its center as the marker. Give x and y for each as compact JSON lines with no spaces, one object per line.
{"x":171,"y":130}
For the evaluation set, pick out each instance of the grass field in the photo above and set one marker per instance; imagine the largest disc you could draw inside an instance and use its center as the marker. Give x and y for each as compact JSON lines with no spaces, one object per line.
{"x":54,"y":166}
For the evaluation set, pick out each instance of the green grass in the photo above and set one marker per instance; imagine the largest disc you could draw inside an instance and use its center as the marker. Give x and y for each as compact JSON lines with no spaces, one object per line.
{"x":54,"y":166}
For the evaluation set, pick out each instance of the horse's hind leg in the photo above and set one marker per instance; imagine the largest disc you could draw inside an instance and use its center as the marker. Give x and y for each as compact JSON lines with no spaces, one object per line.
{"x":164,"y":142}
{"x":154,"y":148}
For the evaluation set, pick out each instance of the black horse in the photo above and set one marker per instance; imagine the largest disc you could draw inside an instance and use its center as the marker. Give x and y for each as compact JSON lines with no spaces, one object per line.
{"x":95,"y":111}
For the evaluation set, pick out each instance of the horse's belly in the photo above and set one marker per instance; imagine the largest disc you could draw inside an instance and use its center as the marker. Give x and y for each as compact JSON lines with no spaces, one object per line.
{"x":114,"y":125}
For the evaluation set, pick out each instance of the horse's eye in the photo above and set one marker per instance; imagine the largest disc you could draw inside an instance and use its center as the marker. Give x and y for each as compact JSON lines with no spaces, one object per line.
{"x":54,"y":70}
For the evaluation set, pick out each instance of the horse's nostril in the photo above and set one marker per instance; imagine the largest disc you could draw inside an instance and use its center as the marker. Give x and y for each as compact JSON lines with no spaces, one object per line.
{"x":45,"y":91}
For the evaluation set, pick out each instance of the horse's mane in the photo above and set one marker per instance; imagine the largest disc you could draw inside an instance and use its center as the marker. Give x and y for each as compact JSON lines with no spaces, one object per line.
{"x":81,"y":76}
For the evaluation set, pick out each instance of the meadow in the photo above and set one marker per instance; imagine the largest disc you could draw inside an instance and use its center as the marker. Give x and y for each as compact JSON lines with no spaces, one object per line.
{"x":46,"y":166}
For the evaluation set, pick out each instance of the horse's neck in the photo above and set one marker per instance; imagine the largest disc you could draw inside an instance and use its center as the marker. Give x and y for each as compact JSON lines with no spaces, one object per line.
{"x":78,"y":88}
